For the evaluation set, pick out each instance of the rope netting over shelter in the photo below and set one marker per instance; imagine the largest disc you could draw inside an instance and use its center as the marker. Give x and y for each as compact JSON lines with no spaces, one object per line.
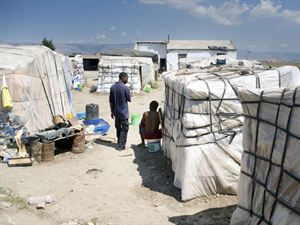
{"x":203,"y":122}
{"x":111,"y":67}
{"x":269,"y":185}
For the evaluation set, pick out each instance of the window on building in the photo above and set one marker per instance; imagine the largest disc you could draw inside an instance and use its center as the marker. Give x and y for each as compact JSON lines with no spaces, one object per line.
{"x":181,"y":56}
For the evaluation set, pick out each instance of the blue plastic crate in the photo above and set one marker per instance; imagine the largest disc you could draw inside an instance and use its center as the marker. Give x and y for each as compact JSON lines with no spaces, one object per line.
{"x":92,"y":122}
{"x":102,"y":127}
{"x":80,"y":115}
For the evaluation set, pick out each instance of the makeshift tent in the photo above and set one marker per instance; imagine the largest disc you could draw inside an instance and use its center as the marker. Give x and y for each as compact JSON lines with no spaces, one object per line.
{"x":139,"y":69}
{"x":203,"y":124}
{"x":39,"y":81}
{"x":269,"y":184}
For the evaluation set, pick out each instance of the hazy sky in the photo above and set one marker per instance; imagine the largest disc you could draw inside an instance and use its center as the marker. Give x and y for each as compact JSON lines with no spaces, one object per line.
{"x":261,"y":25}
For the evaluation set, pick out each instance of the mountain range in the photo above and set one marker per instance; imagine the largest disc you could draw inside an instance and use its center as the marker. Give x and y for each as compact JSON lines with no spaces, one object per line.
{"x":93,"y":48}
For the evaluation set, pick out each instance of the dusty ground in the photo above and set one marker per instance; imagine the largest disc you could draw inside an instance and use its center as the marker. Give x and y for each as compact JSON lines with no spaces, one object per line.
{"x":105,"y":186}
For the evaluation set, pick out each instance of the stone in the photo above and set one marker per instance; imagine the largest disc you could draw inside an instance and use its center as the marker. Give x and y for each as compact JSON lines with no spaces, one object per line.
{"x":41,"y":205}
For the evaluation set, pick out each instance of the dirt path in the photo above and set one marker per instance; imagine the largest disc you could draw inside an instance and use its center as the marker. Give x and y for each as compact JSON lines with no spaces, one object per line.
{"x":106,"y":186}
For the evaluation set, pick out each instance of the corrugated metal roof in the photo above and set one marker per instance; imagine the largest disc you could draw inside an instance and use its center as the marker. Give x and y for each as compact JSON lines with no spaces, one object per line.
{"x":151,"y":42}
{"x":132,"y":53}
{"x":200,"y":44}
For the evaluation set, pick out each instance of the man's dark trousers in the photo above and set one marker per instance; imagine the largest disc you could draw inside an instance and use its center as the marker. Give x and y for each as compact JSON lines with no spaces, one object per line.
{"x":122,"y":126}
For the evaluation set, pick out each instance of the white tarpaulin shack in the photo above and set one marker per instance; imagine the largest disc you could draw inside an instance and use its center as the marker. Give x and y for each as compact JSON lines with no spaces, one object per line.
{"x":203,"y":123}
{"x":140,"y":71}
{"x":147,"y":70}
{"x":39,"y":81}
{"x":269,"y":184}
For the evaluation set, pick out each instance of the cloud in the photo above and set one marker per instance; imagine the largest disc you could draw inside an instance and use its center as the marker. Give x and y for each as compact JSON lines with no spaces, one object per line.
{"x":230,"y":12}
{"x":125,"y":2}
{"x":112,"y":28}
{"x":265,"y":8}
{"x":291,"y":15}
{"x":123,"y":34}
{"x":283,"y":45}
{"x":268,"y":9}
{"x":227,"y":14}
{"x":100,"y":36}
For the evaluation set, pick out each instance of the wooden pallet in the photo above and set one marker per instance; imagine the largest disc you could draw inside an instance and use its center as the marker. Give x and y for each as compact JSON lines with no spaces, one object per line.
{"x":19,"y":162}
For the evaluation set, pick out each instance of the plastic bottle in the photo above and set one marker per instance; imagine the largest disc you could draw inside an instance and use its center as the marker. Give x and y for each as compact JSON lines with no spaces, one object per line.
{"x":34,"y":200}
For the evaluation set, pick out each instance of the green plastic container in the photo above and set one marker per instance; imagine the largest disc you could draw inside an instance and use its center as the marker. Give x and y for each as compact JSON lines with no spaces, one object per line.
{"x":147,"y":88}
{"x":135,"y":119}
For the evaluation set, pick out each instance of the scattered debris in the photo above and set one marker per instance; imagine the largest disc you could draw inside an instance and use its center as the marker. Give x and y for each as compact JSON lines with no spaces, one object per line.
{"x":93,"y":171}
{"x":78,"y":222}
{"x":35,"y":200}
{"x":41,"y":205}
{"x":73,"y":222}
{"x":126,"y":155}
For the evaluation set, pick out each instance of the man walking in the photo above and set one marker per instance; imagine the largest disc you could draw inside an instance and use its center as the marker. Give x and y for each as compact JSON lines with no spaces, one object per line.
{"x":118,"y":97}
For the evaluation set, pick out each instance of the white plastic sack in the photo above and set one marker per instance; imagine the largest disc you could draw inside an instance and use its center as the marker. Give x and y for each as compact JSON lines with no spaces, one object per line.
{"x":111,"y":67}
{"x":269,"y":184}
{"x":202,"y":112}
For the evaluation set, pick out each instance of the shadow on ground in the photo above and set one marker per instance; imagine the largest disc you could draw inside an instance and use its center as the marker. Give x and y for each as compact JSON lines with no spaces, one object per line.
{"x":106,"y":143}
{"x":212,"y":216}
{"x":156,"y":172}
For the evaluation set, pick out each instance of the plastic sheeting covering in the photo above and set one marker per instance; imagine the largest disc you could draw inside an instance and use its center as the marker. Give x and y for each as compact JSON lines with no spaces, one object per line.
{"x":194,"y":62}
{"x":78,"y":72}
{"x":203,"y":124}
{"x":269,"y":184}
{"x":147,"y":70}
{"x":139,"y":69}
{"x":39,"y":81}
{"x":111,"y":67}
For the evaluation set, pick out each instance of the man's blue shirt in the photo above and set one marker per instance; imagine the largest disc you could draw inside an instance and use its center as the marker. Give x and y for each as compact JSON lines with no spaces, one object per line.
{"x":118,"y":97}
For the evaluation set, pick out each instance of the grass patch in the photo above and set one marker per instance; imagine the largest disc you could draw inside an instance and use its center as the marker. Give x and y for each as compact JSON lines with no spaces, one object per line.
{"x":15,"y":200}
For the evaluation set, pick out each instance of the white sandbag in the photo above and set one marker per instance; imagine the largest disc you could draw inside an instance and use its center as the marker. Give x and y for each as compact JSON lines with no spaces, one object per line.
{"x":202,"y":109}
{"x":269,"y":184}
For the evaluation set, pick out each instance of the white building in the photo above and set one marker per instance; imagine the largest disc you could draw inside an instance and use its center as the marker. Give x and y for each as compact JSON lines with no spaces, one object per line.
{"x":157,"y":47}
{"x":172,"y":51}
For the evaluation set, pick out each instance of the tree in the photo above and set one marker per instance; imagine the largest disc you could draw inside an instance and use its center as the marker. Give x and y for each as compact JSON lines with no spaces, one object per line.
{"x":48,"y":43}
